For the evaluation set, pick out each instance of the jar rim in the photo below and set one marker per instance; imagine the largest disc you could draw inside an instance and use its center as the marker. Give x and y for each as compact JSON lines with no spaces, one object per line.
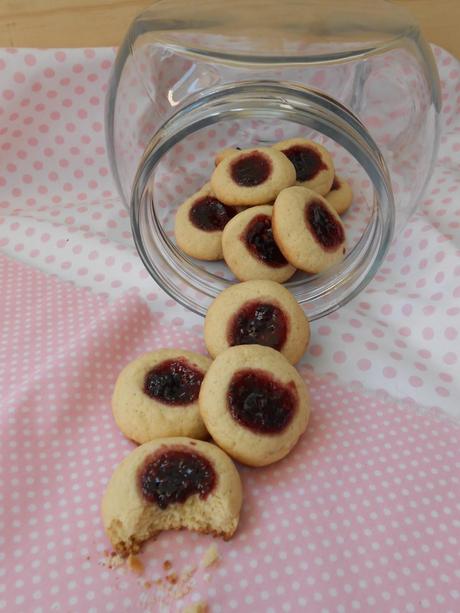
{"x":194,"y":287}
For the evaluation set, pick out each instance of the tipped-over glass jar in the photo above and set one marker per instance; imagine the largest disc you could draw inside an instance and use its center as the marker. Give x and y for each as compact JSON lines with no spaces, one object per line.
{"x":192,"y":78}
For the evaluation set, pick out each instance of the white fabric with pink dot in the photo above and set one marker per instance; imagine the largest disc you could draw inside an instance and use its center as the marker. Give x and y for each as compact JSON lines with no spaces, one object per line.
{"x":363,"y":514}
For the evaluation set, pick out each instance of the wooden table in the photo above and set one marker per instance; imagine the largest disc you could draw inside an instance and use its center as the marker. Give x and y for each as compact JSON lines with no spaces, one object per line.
{"x":93,"y":23}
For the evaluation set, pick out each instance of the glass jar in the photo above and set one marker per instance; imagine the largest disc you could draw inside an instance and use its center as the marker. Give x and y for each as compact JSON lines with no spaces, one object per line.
{"x":192,"y":78}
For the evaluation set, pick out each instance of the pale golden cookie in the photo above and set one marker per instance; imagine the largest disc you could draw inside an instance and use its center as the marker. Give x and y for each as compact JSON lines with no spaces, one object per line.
{"x":308,"y":231}
{"x":170,"y":484}
{"x":249,"y":248}
{"x":257,"y":312}
{"x":223,"y":153}
{"x":340,"y":196}
{"x":156,"y":395}
{"x":313,"y":163}
{"x":199,"y":223}
{"x":252,"y":176}
{"x":254,"y":404}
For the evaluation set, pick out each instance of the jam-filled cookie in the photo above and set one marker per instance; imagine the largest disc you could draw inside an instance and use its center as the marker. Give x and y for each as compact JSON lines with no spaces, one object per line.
{"x":250,"y":250}
{"x":170,"y":484}
{"x":254,"y":404}
{"x":199,"y":223}
{"x":308,"y":231}
{"x":252,"y":176}
{"x":340,"y":196}
{"x":156,"y":395}
{"x":313,"y":163}
{"x":257,"y":313}
{"x":223,"y":153}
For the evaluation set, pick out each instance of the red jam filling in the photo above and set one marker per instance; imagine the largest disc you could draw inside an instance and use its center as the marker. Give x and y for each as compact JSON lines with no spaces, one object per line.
{"x":174,"y":382}
{"x":307,"y":162}
{"x":327,"y":231}
{"x":260,"y":242}
{"x":258,"y":323}
{"x":259,"y":402}
{"x":175,"y":475}
{"x":210,"y":215}
{"x":251,"y":169}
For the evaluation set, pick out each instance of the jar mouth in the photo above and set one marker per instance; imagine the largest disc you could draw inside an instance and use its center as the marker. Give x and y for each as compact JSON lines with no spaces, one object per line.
{"x":192,"y":284}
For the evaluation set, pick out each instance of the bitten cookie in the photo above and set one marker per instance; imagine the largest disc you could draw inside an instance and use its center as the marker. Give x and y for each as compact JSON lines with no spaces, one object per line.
{"x":252,"y":176}
{"x":340,"y":196}
{"x":250,"y":250}
{"x":257,"y":313}
{"x":313,"y":163}
{"x":169,"y":484}
{"x":223,"y":153}
{"x":254,"y":404}
{"x":199,"y":223}
{"x":308,"y":231}
{"x":156,"y":395}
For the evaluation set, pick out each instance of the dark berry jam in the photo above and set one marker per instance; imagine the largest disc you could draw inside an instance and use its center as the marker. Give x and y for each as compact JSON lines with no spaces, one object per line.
{"x":335,"y":183}
{"x":175,"y":475}
{"x":210,"y":215}
{"x":260,"y":242}
{"x":258,"y":323}
{"x":327,"y":231}
{"x":259,"y":402}
{"x":251,"y":169}
{"x":306,"y":161}
{"x":173,"y":382}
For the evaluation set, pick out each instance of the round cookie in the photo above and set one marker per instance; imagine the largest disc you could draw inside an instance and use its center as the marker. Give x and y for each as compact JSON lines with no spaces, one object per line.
{"x":199,"y":223}
{"x":257,"y":312}
{"x":223,"y":153}
{"x":170,"y":484}
{"x":313,"y":163}
{"x":254,"y":404}
{"x":252,"y":176}
{"x":340,"y":196}
{"x":249,"y":248}
{"x":156,"y":395}
{"x":308,"y":231}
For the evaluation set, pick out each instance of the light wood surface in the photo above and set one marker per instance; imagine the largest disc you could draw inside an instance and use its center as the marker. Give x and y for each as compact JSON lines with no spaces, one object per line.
{"x":97,"y":23}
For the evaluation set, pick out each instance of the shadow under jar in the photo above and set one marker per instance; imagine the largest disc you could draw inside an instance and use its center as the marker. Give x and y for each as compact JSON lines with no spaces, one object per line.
{"x":192,"y":78}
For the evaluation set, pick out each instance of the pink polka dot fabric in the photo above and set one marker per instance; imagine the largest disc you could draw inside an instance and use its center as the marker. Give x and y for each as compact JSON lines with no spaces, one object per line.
{"x":364,"y":514}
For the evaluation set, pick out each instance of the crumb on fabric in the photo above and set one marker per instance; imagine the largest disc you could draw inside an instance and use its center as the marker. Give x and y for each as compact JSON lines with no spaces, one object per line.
{"x":196,"y":607}
{"x":135,"y":564}
{"x":167,"y":564}
{"x":211,"y":556}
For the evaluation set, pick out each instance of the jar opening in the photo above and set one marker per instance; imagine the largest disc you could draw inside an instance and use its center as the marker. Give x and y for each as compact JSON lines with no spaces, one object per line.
{"x":179,"y":160}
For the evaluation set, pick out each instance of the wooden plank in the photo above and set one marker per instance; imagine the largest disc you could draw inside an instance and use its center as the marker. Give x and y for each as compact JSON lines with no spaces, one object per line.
{"x":84,"y":23}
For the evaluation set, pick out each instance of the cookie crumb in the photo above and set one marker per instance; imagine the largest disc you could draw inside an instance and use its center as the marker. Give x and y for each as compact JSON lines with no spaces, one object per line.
{"x":147,"y":585}
{"x":196,"y":607}
{"x":211,"y":556}
{"x":172,"y":578}
{"x":135,"y":564}
{"x":167,"y":564}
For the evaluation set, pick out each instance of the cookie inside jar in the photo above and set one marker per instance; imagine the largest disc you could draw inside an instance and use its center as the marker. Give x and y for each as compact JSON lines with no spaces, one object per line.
{"x":213,"y":161}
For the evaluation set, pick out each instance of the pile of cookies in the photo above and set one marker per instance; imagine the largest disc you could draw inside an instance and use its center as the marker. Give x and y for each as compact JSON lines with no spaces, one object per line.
{"x":248,"y":398}
{"x":268,"y":211}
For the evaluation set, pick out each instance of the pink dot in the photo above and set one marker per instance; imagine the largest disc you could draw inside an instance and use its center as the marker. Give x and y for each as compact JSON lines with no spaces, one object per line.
{"x":77,"y":68}
{"x":442,"y":391}
{"x":386,"y":309}
{"x":450,"y":358}
{"x":405,"y":331}
{"x":389,"y":372}
{"x":8,"y":94}
{"x":49,"y":73}
{"x":364,"y":364}
{"x":371,"y":346}
{"x":450,"y":333}
{"x":60,"y":56}
{"x":407,"y":309}
{"x":415,"y":381}
{"x":324,"y":330}
{"x":420,"y":366}
{"x":19,"y":77}
{"x":30,"y":59}
{"x":429,"y":309}
{"x":457,"y":292}
{"x":377,"y":332}
{"x":316,"y":350}
{"x":127,"y":267}
{"x":339,"y":357}
{"x":355,"y":323}
{"x":427,"y":333}
{"x":348,"y":338}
